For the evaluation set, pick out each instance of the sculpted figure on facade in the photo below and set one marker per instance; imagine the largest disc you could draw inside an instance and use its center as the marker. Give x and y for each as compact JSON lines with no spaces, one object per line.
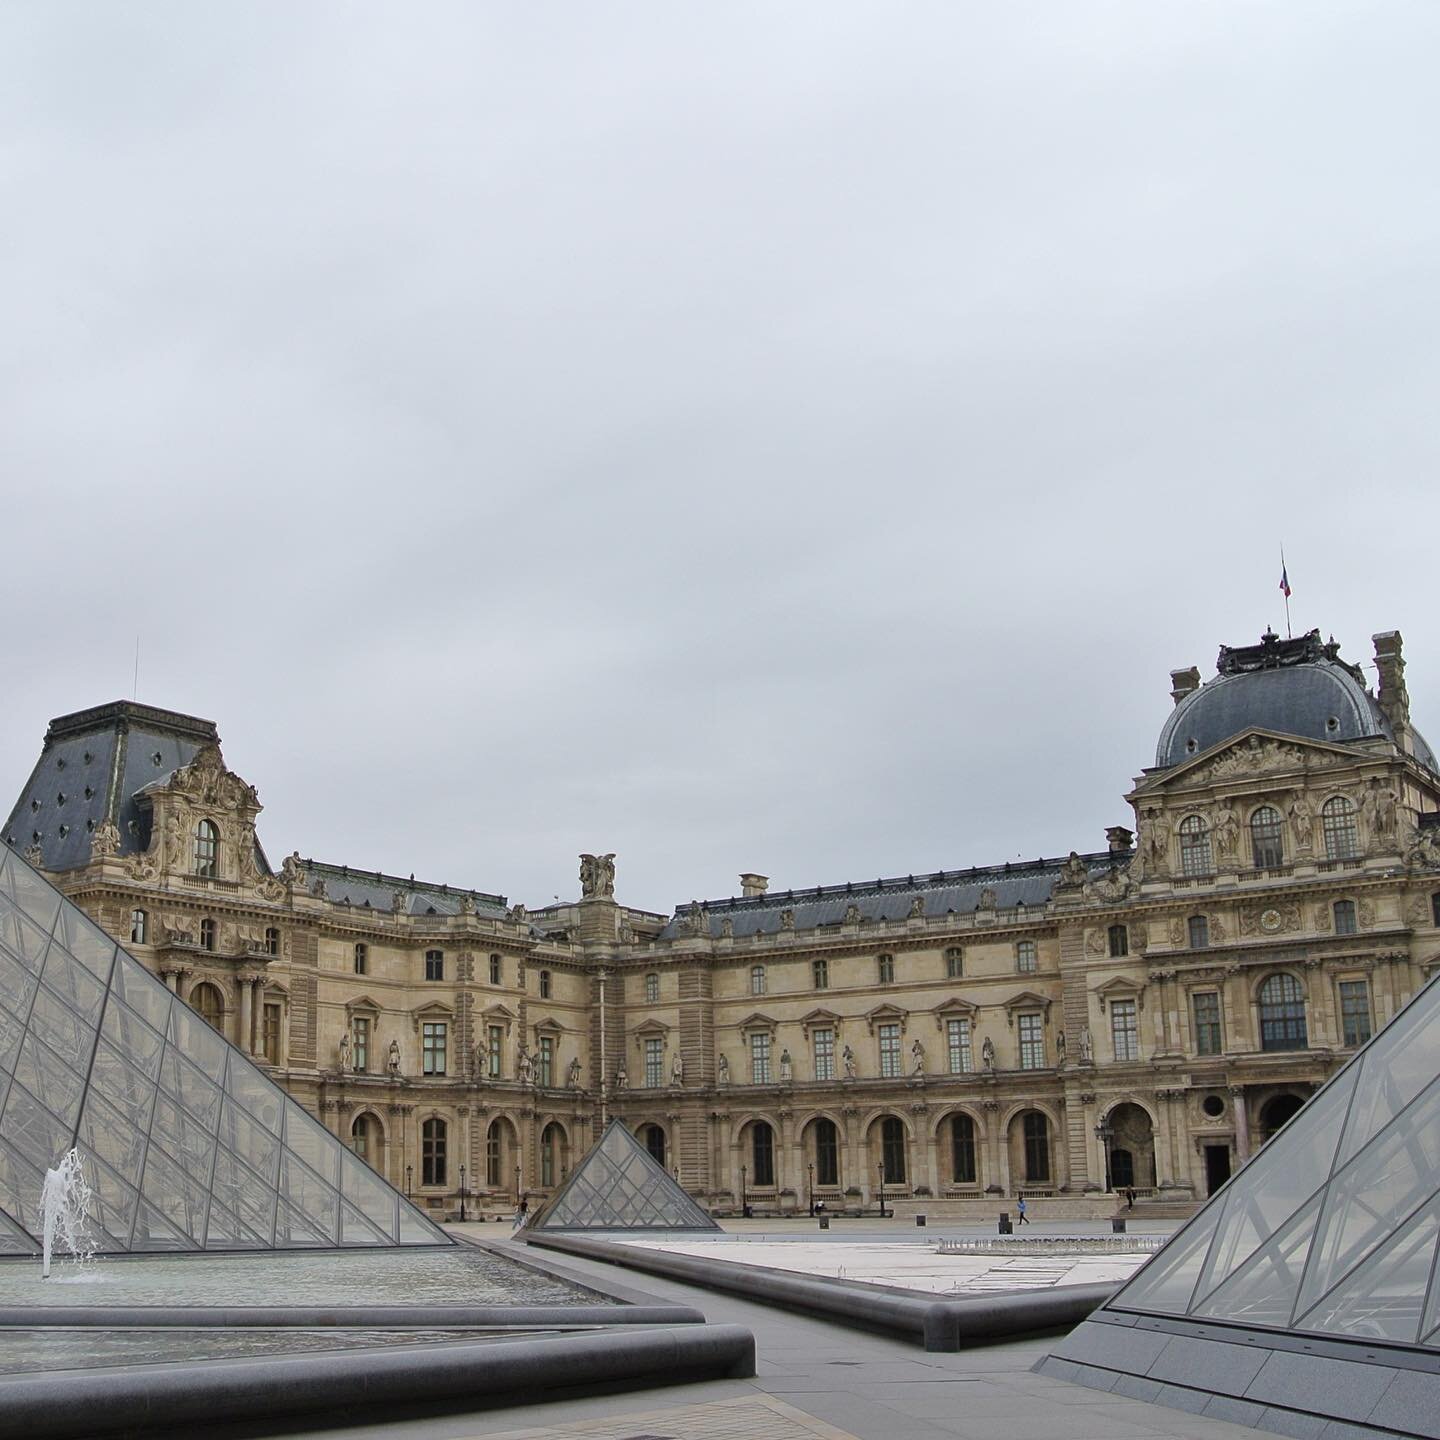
{"x":727,"y":928}
{"x":787,"y":1068}
{"x":343,"y":1051}
{"x":622,"y":1079}
{"x":1087,"y":1046}
{"x":847,"y":1060}
{"x":1302,"y":822}
{"x":677,"y":1070}
{"x":1073,"y":872}
{"x":1060,"y":1047}
{"x":1423,"y":851}
{"x":917,"y":1058}
{"x":392,"y":1058}
{"x":572,"y":1076}
{"x":1227,"y":829}
{"x":292,"y":872}
{"x":524,"y":1066}
{"x":174,"y":842}
{"x":917,"y":908}
{"x":722,"y":1070}
{"x":1156,"y":842}
{"x":988,"y":898}
{"x":787,"y":919}
{"x":597,"y":876}
{"x":467,"y":904}
{"x":399,"y":902}
{"x":987,"y":1054}
{"x":105,"y":841}
{"x":852,"y":914}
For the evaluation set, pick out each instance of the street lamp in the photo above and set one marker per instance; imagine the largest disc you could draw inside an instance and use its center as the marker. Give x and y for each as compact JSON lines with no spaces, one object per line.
{"x":811,"y":1168}
{"x":517,"y":1184}
{"x":462,"y":1194}
{"x":881,"y":1168}
{"x":408,"y":1170}
{"x":1103,"y":1134}
{"x":744,"y":1208}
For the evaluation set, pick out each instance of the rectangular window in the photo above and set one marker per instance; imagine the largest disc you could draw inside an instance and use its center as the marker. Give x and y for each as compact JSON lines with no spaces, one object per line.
{"x":820,"y":974}
{"x":1123,"y":1033}
{"x":1199,"y":927}
{"x":954,"y":963}
{"x":494,"y":969}
{"x":270,"y":1036}
{"x":546,"y":1067}
{"x":885,"y":969}
{"x":1206,"y":1006}
{"x":824,"y":1042}
{"x":654,"y":1062}
{"x":957,"y":1043}
{"x":652,"y":989}
{"x":1344,"y":917}
{"x":434,"y":964}
{"x":759,"y":1058}
{"x":495,"y":1038}
{"x":1032,"y":1042}
{"x":1025,"y":955}
{"x":432,"y":1047}
{"x":1355,"y":1011}
{"x":360,"y":1043}
{"x":889,"y":1051}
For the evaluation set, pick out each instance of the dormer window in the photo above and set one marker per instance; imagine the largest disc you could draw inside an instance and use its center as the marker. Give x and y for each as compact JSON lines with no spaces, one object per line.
{"x":207,"y":849}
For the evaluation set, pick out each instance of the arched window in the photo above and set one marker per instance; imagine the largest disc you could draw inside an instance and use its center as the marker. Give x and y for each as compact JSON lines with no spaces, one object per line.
{"x":885,"y":969}
{"x":432,"y":1151}
{"x":652,"y":989}
{"x":139,"y":927}
{"x":360,"y":1137}
{"x":762,"y":1154}
{"x":207,"y":849}
{"x":962,"y":1150}
{"x":892,"y":1150}
{"x":654,"y":1138}
{"x":210,"y":1003}
{"x":1344,"y":912}
{"x":493,"y":1154}
{"x":757,"y":979}
{"x":827,"y":1152}
{"x":1282,"y":1013}
{"x":544,"y":984}
{"x":1266,"y":844}
{"x":207,"y":934}
{"x":1337,"y":823}
{"x":1119,"y":938}
{"x":954,"y":963}
{"x":1037,"y":1148}
{"x":362,"y":958}
{"x":272,"y":940}
{"x":552,"y":1151}
{"x":1199,"y":927}
{"x":1195,"y":856}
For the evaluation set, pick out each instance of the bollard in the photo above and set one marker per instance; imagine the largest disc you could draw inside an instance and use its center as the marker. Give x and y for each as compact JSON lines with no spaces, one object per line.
{"x":1117,"y":1225}
{"x":920,"y":1221}
{"x":824,"y":1222}
{"x":1006,"y":1228}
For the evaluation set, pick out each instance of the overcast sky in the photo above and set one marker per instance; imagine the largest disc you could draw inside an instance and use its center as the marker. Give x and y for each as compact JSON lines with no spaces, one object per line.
{"x":790,"y":437}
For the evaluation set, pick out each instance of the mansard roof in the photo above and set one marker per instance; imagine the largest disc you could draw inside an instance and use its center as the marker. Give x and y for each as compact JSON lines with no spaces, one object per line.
{"x":1021,"y":882}
{"x":375,"y":890}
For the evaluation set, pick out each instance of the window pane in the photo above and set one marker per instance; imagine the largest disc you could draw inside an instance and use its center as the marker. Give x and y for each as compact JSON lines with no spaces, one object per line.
{"x":1123,"y":1031}
{"x":824,"y":1043}
{"x":1207,"y":1023}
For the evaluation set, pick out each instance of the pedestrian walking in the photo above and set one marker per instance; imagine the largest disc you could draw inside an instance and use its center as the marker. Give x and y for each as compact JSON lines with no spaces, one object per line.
{"x":522,"y":1211}
{"x":1020,"y":1211}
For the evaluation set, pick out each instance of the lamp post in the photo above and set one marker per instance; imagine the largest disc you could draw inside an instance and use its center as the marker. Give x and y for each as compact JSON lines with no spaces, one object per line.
{"x":881,"y":1168}
{"x":744,"y":1208}
{"x":462,"y":1194}
{"x":408,"y":1170}
{"x":1103,"y":1134}
{"x":811,"y":1168}
{"x":517,"y":1184}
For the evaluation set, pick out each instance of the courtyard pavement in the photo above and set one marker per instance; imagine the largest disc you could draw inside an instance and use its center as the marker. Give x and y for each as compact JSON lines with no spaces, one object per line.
{"x":818,"y":1379}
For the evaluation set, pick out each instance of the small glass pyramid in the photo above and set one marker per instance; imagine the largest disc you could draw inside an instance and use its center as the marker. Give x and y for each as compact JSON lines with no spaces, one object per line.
{"x":1334,"y":1227}
{"x":620,"y":1186}
{"x":187,"y":1143}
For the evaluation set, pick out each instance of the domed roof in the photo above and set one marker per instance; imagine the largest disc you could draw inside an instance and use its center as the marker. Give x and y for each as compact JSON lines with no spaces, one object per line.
{"x":1294,"y":687}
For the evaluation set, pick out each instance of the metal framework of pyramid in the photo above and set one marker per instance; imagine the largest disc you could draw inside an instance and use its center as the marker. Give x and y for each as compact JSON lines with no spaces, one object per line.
{"x":619,"y":1185}
{"x":1329,"y":1236}
{"x":187,"y":1144}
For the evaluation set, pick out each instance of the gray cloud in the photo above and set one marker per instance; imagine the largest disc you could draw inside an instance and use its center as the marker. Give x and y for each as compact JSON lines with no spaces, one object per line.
{"x":796,"y":438}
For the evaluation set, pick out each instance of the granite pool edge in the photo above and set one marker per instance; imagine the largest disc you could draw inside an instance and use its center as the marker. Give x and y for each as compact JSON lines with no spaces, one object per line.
{"x":939,"y":1323}
{"x":347,"y":1317}
{"x":320,"y":1389}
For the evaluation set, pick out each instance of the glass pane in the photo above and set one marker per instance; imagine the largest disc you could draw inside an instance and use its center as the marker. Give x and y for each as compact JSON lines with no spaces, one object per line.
{"x":32,"y":894}
{"x":184,"y":1139}
{"x":17,"y":985}
{"x":122,"y":1085}
{"x":259,"y":1149}
{"x":10,"y":1032}
{"x":61,"y":1030}
{"x":1278,"y":1181}
{"x":245,"y":1195}
{"x":86,"y":941}
{"x":197,"y":1041}
{"x":1382,"y":1299}
{"x":154,"y":1232}
{"x":14,"y":1240}
{"x":200,"y":1096}
{"x":20,"y":1182}
{"x":1369,"y":1199}
{"x":142,"y":992}
{"x":75,"y":986}
{"x":369,"y":1193}
{"x":1262,"y":1291}
{"x":1399,"y":1064}
{"x":132,"y":1038}
{"x":254,"y":1093}
{"x":303,"y":1190}
{"x":42,"y":1072}
{"x":23,"y":939}
{"x":415,"y":1229}
{"x":113,"y":1210}
{"x":355,"y":1229}
{"x":296,"y":1231}
{"x":174,"y":1194}
{"x":1167,"y":1282}
{"x":33,"y":1131}
{"x":312,"y":1142}
{"x":106,"y":1133}
{"x":224,"y":1231}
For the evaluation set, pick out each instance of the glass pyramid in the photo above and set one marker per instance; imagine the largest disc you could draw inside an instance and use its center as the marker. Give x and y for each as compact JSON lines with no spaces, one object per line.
{"x":1334,"y":1227}
{"x":187,"y":1144}
{"x":620,"y":1186}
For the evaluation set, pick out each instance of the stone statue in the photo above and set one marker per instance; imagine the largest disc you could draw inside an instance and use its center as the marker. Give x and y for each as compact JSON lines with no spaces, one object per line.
{"x":847,"y":1059}
{"x":677,"y":1070}
{"x":174,"y":842}
{"x":317,"y":887}
{"x":518,"y":913}
{"x":622,"y":1080}
{"x":787,"y":919}
{"x":524,"y":1067}
{"x":1302,"y":822}
{"x":105,"y":841}
{"x":787,"y":1068}
{"x":1157,"y":842}
{"x":1060,"y":1046}
{"x":722,"y":1071}
{"x":988,"y":899}
{"x":392,"y":1062}
{"x":1073,"y":871}
{"x":987,"y":1054}
{"x":917,"y":908}
{"x":291,"y":870}
{"x":852,"y":914}
{"x":1087,"y":1046}
{"x":572,"y":1074}
{"x":344,"y":1050}
{"x":597,"y":876}
{"x":467,"y":904}
{"x":1381,"y":809}
{"x":1227,"y":829}
{"x":917,"y":1057}
{"x":727,"y":928}
{"x":399,"y":902}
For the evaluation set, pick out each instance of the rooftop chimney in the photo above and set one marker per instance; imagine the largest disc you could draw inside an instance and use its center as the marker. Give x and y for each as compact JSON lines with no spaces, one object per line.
{"x":1393,"y":697}
{"x":1183,"y":683}
{"x":753,"y":885}
{"x":1120,"y":839}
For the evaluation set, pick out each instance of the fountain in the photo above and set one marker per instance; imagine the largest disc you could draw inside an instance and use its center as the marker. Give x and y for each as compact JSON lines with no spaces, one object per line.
{"x":64,"y":1207}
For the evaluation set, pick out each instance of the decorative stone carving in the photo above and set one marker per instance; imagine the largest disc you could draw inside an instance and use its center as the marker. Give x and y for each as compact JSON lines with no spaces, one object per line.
{"x":1322,"y":919}
{"x":1378,"y":807}
{"x":852,"y":915}
{"x":597,"y":876}
{"x":622,"y":1078}
{"x":342,"y":1052}
{"x":1365,"y":913}
{"x":987,"y":1054}
{"x":467,"y":904}
{"x":1302,"y":822}
{"x":1095,"y":942}
{"x":1087,"y":1046}
{"x":1226,"y":829}
{"x":1115,"y":885}
{"x":1274,"y":919}
{"x":1217,"y":930}
{"x":1177,"y":932}
{"x":917,"y":1057}
{"x":1155,"y":842}
{"x":787,"y":1068}
{"x":292,"y":872}
{"x":847,"y":1060}
{"x":1072,"y":873}
{"x":1256,"y":755}
{"x":518,"y":913}
{"x":988,"y":898}
{"x":677,"y":1070}
{"x":400,"y":902}
{"x":142,"y":867}
{"x":105,"y":840}
{"x":35,"y":856}
{"x":318,"y":887}
{"x":787,"y":919}
{"x":917,"y":908}
{"x":722,"y":1070}
{"x":524,"y":1066}
{"x":392,"y":1059}
{"x":572,"y":1075}
{"x":1060,"y":1047}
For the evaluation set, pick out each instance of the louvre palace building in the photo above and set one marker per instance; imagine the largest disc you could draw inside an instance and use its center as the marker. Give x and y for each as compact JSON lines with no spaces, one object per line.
{"x":1141,"y":1015}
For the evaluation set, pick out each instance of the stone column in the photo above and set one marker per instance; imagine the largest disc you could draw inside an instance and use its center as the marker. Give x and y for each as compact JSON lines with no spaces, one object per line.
{"x":999,"y":1171}
{"x":1320,"y":1028}
{"x":1242,"y":1124}
{"x":247,"y":1016}
{"x":171,"y":978}
{"x":1162,"y":1144}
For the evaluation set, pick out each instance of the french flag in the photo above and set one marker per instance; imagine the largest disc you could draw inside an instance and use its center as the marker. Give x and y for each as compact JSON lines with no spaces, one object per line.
{"x":1284,"y":581}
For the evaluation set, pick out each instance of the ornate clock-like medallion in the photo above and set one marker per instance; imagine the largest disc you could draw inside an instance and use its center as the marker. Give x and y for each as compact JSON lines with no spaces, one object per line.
{"x":1270,"y":921}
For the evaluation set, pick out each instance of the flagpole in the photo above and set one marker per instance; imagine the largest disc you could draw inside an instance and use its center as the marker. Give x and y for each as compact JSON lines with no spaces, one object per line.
{"x":1289,"y":634}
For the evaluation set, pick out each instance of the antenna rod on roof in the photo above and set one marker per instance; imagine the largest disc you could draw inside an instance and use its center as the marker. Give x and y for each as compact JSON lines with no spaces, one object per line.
{"x":135,"y":686}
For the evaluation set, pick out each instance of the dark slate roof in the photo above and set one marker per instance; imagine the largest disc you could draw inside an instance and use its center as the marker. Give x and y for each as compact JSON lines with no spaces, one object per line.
{"x":374,"y":890}
{"x":1027,"y":883}
{"x":1297,"y":687}
{"x":91,"y":767}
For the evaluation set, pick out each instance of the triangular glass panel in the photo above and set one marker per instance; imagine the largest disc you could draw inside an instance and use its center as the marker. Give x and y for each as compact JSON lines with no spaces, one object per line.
{"x":1399,"y":1064}
{"x":61,"y":1028}
{"x":84,"y":941}
{"x":11,"y":1031}
{"x":224,"y":1231}
{"x":31,"y":1129}
{"x":184,"y":1139}
{"x":1262,"y":1291}
{"x":294,"y":1230}
{"x":79,"y":989}
{"x":154,"y":1232}
{"x":363,"y":1188}
{"x":36,"y":899}
{"x":355,"y":1229}
{"x":197,"y":1042}
{"x":17,"y":985}
{"x":24,"y":940}
{"x":130,"y":1090}
{"x":184,"y":1082}
{"x":303,"y":1190}
{"x":133,"y":1038}
{"x":313,"y":1143}
{"x":20,"y":1182}
{"x":107,"y":1135}
{"x":113,"y":1211}
{"x":1383,"y":1298}
{"x":137,"y":988}
{"x":244,"y":1193}
{"x":174,"y":1194}
{"x":260,"y":1098}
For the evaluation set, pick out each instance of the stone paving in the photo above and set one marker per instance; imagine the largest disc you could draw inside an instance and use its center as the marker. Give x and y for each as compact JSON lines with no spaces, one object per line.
{"x":816,"y":1378}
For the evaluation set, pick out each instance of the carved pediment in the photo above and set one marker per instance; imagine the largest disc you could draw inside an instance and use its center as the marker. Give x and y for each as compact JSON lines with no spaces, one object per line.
{"x":887,"y":1014}
{"x":955,"y":1008}
{"x":1026,"y":1000}
{"x":820,"y":1019}
{"x":498,"y":1014}
{"x":758,"y":1021}
{"x":363,"y":1005}
{"x":434,"y":1011}
{"x":651,"y":1029}
{"x":1251,"y":753}
{"x":1120,"y":987}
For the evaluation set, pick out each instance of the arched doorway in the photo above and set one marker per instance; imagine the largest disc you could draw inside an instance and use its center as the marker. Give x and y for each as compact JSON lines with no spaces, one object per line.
{"x":207,"y":999}
{"x":367,"y":1140}
{"x":1132,"y":1148}
{"x":1029,"y":1146}
{"x":554,"y":1155}
{"x":889,"y":1151}
{"x":654,"y":1139}
{"x":502,"y":1158}
{"x":822,"y":1149}
{"x":961,"y":1138}
{"x":1275,"y":1112}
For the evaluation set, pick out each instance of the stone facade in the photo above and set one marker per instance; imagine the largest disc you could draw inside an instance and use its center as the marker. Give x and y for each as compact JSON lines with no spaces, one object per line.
{"x":1142,"y":1015}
